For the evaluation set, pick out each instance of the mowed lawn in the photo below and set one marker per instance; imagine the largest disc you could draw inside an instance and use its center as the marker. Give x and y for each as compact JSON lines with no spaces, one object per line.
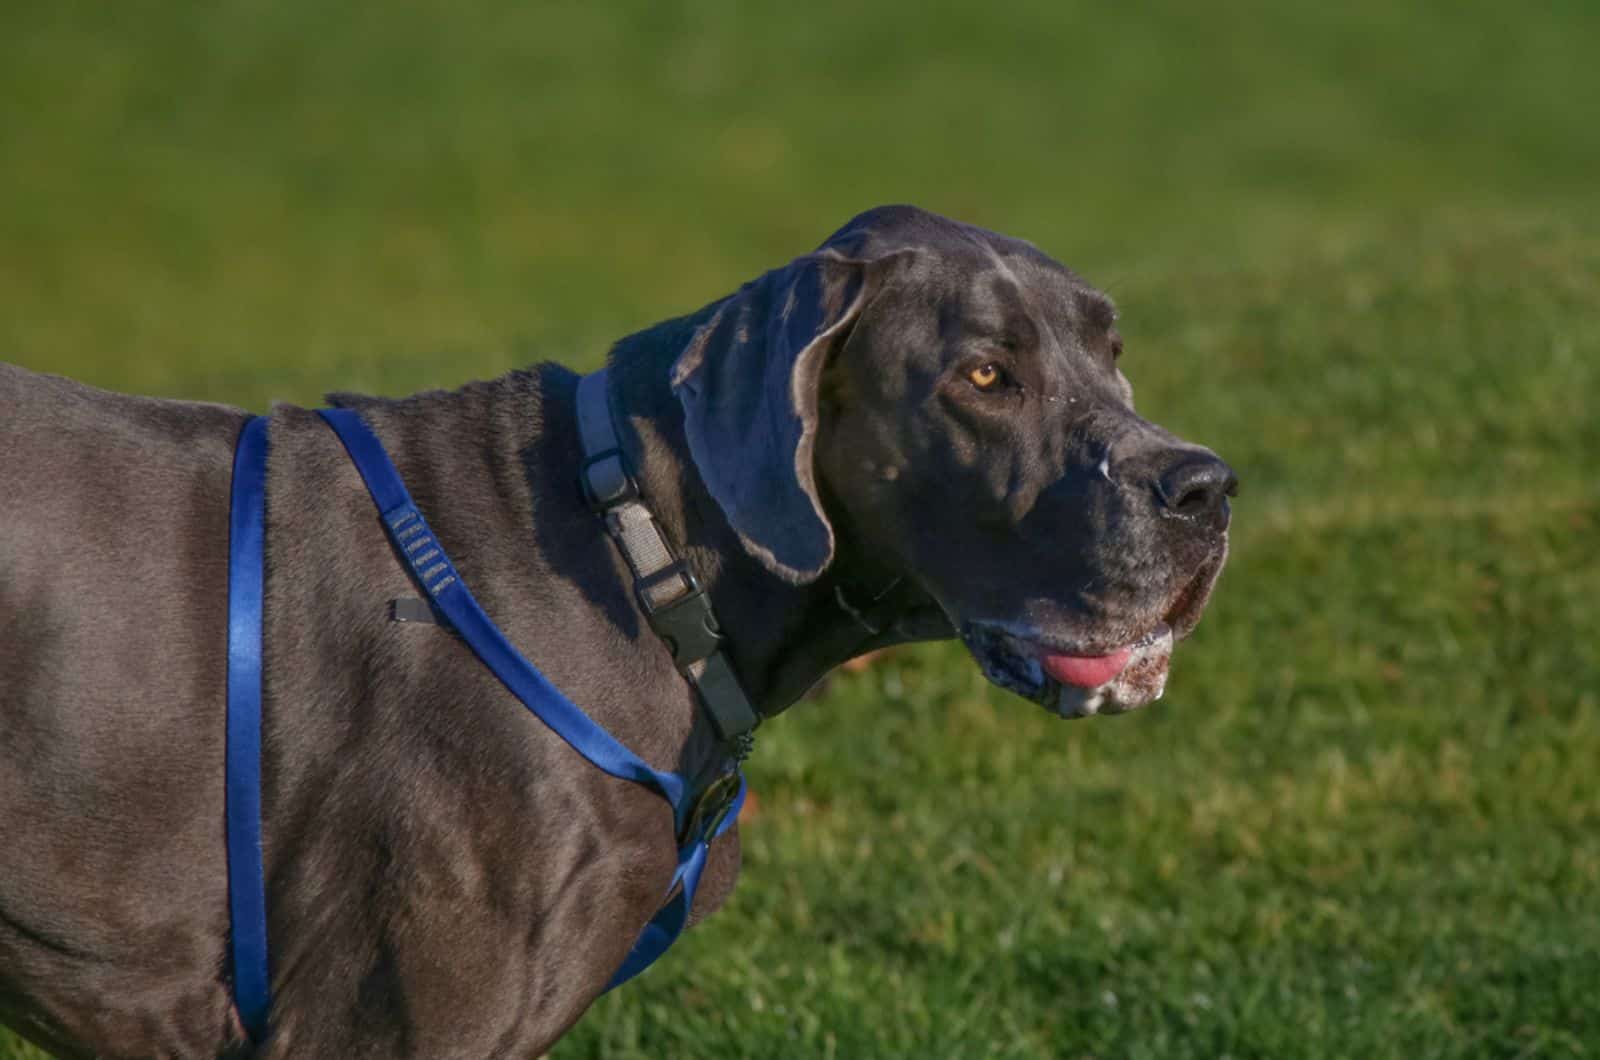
{"x":1357,"y":251}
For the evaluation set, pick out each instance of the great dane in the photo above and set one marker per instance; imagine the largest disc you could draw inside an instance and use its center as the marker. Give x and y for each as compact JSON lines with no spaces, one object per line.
{"x":918,"y":431}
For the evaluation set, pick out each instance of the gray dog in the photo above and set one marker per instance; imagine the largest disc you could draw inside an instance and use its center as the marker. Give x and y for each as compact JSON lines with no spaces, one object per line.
{"x":918,"y":431}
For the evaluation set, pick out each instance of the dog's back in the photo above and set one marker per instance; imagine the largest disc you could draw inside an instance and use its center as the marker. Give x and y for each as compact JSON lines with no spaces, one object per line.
{"x":113,"y":610}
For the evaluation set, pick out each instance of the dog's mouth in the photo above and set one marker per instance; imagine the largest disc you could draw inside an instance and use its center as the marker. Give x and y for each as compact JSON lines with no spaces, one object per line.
{"x":1074,"y":685}
{"x":1100,"y":672}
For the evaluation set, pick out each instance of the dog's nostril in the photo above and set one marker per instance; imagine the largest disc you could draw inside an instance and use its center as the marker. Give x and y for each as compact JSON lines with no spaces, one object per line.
{"x":1196,"y":484}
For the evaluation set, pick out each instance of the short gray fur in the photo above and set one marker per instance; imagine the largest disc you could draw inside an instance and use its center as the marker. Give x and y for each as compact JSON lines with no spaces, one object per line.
{"x":445,"y":877}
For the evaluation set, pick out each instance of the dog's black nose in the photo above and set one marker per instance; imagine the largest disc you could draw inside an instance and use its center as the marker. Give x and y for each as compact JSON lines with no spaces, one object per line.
{"x":1196,"y":484}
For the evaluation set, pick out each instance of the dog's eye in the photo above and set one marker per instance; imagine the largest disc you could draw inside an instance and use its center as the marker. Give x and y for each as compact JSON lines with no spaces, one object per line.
{"x":986,"y":376}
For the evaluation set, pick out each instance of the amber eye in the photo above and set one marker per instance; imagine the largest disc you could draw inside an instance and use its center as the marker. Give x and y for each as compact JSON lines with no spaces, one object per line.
{"x":986,"y":376}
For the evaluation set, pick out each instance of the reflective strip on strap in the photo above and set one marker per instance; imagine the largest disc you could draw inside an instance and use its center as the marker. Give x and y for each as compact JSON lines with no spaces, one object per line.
{"x":645,"y":549}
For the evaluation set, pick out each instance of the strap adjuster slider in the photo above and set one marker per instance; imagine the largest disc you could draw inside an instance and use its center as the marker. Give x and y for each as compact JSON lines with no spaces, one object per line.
{"x":606,"y":481}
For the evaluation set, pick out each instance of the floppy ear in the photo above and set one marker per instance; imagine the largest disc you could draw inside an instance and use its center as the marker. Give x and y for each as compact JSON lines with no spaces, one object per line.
{"x":748,"y":384}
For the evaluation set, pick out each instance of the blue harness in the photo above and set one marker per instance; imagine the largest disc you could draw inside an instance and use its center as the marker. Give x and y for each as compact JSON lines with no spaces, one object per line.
{"x":441,"y":583}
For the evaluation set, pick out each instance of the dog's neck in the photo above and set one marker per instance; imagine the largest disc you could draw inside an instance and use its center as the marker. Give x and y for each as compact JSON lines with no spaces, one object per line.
{"x":782,"y":638}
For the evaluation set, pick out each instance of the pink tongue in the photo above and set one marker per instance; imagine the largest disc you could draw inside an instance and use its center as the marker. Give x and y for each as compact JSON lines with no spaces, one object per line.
{"x":1087,"y":671}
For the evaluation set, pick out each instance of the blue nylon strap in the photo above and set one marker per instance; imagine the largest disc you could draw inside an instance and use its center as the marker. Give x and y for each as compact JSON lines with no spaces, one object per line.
{"x":669,"y":922}
{"x":247,"y":891}
{"x":439,"y":578}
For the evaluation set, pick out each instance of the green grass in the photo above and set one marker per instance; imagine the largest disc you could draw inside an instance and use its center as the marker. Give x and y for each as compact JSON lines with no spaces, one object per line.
{"x":1357,"y":250}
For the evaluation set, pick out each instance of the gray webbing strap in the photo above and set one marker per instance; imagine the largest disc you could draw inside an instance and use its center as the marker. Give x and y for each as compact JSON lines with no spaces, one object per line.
{"x":677,"y":608}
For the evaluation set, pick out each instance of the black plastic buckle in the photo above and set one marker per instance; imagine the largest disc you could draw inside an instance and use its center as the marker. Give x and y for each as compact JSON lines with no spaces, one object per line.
{"x":606,"y":481}
{"x":685,"y":623}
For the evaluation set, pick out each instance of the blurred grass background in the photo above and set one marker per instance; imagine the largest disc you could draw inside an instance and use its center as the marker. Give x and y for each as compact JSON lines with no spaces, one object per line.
{"x":1357,"y":251}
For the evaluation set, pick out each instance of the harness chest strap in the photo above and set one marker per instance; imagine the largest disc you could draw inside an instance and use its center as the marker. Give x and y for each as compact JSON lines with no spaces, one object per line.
{"x":442,"y":583}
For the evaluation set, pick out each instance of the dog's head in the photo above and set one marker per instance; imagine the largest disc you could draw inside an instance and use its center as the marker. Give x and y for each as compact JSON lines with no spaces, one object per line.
{"x":956,"y":396}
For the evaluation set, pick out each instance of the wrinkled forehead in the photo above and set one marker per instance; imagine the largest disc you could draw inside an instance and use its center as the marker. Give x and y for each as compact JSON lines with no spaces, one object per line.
{"x":1006,"y":285}
{"x":990,"y":281}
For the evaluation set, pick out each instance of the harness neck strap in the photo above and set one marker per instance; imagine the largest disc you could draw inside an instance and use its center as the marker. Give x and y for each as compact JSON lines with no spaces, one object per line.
{"x":677,"y":608}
